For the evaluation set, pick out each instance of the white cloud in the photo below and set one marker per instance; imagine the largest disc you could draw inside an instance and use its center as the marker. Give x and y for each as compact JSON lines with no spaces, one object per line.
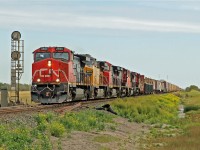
{"x":69,"y":20}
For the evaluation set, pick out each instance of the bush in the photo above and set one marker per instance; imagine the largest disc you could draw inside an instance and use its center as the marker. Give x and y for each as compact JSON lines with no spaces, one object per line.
{"x":57,"y":129}
{"x":40,"y":118}
{"x":42,"y":126}
{"x":190,"y":108}
{"x":192,"y":87}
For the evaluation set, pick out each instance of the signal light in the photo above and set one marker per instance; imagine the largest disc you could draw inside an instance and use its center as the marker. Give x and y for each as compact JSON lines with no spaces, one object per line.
{"x":49,"y":63}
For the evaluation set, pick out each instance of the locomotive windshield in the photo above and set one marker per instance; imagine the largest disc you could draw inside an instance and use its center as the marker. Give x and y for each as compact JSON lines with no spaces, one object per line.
{"x":41,"y":56}
{"x":62,"y":56}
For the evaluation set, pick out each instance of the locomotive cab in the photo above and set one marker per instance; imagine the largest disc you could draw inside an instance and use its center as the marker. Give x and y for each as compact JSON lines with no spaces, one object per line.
{"x":52,"y":75}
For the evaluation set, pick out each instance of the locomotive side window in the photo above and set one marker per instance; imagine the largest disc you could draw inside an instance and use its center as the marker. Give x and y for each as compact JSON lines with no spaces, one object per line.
{"x":41,"y":56}
{"x":62,"y":56}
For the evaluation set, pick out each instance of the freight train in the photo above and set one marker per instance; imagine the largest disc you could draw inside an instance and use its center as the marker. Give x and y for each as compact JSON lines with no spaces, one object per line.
{"x":59,"y":75}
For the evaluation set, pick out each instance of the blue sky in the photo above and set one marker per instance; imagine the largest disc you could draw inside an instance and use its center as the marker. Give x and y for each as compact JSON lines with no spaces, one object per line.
{"x":158,"y":38}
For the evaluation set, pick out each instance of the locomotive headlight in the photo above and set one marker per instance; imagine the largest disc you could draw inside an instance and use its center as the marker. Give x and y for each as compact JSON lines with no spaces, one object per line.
{"x":49,"y":63}
{"x":58,"y":80}
{"x":38,"y":80}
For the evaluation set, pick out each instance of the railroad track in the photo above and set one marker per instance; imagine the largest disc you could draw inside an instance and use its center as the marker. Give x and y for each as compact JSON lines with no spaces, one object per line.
{"x":38,"y":108}
{"x":58,"y":108}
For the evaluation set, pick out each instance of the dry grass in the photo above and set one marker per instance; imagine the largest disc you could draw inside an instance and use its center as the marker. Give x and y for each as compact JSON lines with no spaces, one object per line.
{"x":25,"y":97}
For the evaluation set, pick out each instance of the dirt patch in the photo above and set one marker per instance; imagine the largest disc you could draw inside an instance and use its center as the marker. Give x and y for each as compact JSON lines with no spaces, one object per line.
{"x":125,"y":135}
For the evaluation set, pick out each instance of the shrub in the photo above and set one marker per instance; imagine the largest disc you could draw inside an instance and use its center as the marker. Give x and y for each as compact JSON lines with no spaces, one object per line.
{"x":40,"y":118}
{"x":15,"y":139}
{"x":42,"y":126}
{"x":57,"y":129}
{"x":190,"y":108}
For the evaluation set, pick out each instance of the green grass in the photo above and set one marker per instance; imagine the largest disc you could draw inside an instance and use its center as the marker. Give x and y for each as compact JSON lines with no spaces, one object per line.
{"x":86,"y":120}
{"x":191,"y":101}
{"x":19,"y":136}
{"x":187,"y":129}
{"x":57,"y":129}
{"x":193,"y":98}
{"x":104,"y":148}
{"x":74,"y":121}
{"x":105,"y":139}
{"x":148,"y":109}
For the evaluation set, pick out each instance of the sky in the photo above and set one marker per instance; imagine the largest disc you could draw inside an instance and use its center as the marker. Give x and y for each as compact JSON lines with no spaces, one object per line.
{"x":157,"y":38}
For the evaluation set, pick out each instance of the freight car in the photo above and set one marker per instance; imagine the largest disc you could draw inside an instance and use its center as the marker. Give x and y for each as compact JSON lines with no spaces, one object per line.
{"x":59,"y":75}
{"x":148,"y":86}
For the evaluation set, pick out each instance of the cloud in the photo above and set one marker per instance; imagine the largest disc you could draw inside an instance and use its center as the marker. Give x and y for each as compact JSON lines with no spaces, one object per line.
{"x":63,"y":20}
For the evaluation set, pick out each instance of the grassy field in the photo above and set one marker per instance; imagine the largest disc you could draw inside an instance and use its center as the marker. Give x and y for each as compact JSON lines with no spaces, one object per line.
{"x":184,"y":134}
{"x":158,"y":111}
{"x":148,"y":109}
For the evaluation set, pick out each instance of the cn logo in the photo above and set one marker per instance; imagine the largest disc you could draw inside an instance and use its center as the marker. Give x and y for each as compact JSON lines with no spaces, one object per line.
{"x":45,"y":72}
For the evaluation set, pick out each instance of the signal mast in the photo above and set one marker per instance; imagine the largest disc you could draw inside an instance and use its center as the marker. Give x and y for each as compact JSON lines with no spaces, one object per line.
{"x":17,"y":64}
